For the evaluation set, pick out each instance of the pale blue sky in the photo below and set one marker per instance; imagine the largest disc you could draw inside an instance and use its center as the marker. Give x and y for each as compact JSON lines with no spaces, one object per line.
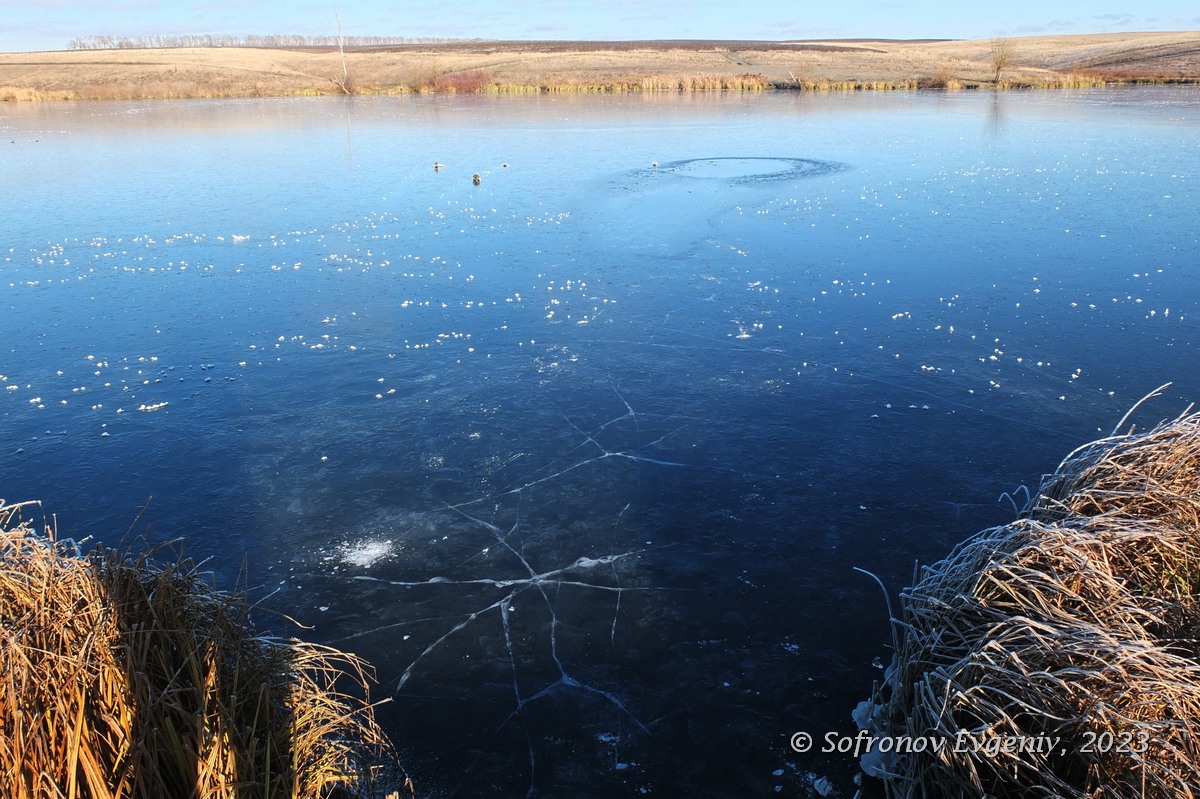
{"x":51,"y":24}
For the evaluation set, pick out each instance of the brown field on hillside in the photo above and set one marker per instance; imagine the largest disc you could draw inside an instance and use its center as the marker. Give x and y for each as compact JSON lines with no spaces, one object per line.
{"x":1050,"y":61}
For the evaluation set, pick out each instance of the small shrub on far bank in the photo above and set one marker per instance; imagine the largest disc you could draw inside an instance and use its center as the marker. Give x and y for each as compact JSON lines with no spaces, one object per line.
{"x":471,"y":81}
{"x":943,"y":78}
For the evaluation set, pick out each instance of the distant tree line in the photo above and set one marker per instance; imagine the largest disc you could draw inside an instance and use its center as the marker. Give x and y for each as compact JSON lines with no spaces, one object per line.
{"x":211,"y":40}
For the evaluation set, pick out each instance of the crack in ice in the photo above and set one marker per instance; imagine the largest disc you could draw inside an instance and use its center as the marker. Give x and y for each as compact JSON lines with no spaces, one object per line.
{"x":600,"y":574}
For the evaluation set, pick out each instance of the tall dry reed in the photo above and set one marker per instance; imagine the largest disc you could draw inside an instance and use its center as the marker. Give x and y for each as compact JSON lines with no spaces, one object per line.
{"x":1078,"y":623}
{"x":124,"y":679}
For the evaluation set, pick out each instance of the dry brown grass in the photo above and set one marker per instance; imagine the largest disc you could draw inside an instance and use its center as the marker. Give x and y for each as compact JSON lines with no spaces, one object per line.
{"x":943,"y":78}
{"x":122,"y":679}
{"x":471,"y":81}
{"x":1048,"y":61}
{"x":1079,"y":621}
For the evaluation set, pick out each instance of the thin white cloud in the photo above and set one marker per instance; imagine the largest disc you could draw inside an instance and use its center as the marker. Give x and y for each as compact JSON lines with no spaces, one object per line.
{"x":1121,"y":21}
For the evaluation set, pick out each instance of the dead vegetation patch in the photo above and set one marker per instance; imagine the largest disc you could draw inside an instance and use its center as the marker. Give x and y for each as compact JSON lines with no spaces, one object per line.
{"x":1077,"y":624}
{"x":124,"y":679}
{"x":701,"y":66}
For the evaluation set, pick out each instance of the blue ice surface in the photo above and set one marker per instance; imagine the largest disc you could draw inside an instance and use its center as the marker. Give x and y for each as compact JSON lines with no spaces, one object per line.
{"x":582,"y":457}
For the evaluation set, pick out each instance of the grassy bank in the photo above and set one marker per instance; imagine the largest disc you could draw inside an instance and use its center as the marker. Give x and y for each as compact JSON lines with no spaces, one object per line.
{"x":124,"y":679}
{"x":524,"y":67}
{"x":1076,"y":624}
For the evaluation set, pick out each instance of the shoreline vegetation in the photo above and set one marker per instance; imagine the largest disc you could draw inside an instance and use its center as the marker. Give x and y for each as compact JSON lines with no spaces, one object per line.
{"x":1076,"y":625}
{"x":124,"y":678}
{"x":100,"y":69}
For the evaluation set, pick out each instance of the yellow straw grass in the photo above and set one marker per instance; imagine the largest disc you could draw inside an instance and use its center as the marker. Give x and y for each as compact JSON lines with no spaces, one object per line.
{"x":122,"y":679}
{"x":1079,"y":622}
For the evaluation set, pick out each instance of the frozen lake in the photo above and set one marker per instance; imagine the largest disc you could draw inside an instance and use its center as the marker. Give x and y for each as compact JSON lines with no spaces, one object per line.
{"x":583,"y":457}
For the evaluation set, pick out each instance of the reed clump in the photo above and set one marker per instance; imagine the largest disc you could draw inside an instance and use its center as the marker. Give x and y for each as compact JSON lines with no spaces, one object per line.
{"x":1077,"y":624}
{"x":1095,"y":78}
{"x":10,"y":94}
{"x":703,"y":83}
{"x":124,"y":679}
{"x":852,"y":85}
{"x":632,"y":84}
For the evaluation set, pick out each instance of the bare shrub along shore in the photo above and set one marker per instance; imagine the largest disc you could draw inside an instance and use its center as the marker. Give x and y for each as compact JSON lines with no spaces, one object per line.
{"x":124,"y":679}
{"x":175,"y":72}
